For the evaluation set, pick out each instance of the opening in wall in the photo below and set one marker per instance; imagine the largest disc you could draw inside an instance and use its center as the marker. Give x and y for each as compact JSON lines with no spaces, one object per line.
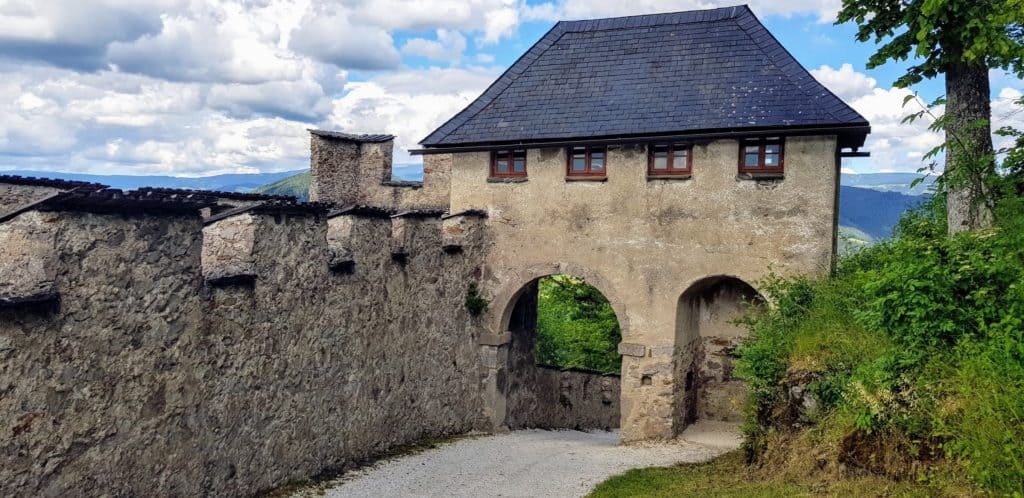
{"x":563,"y":361}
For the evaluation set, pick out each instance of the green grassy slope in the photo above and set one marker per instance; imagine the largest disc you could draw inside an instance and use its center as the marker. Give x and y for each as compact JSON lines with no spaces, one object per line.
{"x":297,"y":186}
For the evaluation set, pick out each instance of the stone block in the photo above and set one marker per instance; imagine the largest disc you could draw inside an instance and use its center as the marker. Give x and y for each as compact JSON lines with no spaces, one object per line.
{"x":631,"y":349}
{"x":28,"y":260}
{"x":228,"y":253}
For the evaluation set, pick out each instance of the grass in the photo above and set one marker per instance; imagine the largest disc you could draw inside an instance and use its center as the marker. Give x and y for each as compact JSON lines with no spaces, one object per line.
{"x":729,"y":476}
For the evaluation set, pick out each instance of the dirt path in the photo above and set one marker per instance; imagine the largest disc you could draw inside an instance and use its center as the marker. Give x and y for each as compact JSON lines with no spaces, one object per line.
{"x":528,"y":463}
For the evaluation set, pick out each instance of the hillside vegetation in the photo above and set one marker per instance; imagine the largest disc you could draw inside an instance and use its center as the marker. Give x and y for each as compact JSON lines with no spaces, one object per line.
{"x":296,"y":186}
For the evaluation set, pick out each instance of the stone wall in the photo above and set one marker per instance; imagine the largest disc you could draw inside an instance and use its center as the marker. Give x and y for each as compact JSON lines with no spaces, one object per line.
{"x":150,"y":376}
{"x":350,"y":170}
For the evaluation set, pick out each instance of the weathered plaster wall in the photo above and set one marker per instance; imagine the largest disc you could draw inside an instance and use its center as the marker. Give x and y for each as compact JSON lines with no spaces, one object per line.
{"x":643,"y":242}
{"x":145,"y":380}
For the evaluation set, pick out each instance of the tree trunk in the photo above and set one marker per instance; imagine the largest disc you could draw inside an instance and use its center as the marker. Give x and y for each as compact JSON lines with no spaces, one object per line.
{"x":969,"y":157}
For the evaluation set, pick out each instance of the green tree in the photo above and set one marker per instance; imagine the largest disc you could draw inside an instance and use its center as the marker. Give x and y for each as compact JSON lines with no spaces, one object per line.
{"x":576,"y":326}
{"x":961,"y":40}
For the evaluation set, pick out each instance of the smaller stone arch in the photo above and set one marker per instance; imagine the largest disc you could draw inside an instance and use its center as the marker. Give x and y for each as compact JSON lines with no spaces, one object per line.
{"x":705,"y":327}
{"x":525,"y":394}
{"x":517,"y":281}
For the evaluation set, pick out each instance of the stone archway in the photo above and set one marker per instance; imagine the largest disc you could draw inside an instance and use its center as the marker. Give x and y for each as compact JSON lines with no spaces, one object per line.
{"x":522,"y":393}
{"x":705,"y":316}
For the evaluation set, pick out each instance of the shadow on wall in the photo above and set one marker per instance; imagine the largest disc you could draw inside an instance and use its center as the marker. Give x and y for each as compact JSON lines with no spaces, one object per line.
{"x":705,"y":321}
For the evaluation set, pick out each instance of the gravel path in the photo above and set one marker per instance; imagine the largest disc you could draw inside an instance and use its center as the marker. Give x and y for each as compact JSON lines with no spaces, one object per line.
{"x":528,"y":463}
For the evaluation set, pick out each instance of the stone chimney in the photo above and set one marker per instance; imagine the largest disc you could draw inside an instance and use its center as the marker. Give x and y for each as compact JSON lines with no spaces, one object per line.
{"x":347,"y":168}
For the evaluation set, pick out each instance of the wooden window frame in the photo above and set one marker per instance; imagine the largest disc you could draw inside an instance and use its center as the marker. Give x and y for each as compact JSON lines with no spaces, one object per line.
{"x":762,"y":143}
{"x":509,"y":155}
{"x":671,"y":170}
{"x":588,"y":170}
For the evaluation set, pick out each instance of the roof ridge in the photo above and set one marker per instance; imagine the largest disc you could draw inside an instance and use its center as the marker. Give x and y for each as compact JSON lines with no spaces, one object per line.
{"x":795,"y":72}
{"x":656,"y":19}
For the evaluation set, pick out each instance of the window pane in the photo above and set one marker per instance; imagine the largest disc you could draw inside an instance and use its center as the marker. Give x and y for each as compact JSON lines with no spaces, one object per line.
{"x":679,"y":158}
{"x":519,"y":165}
{"x":579,"y":163}
{"x":771,"y":149}
{"x":661,"y":162}
{"x":597,"y":162}
{"x":751,"y":149}
{"x":750,"y":160}
{"x":519,"y":154}
{"x":501,"y":166}
{"x":771,"y":160}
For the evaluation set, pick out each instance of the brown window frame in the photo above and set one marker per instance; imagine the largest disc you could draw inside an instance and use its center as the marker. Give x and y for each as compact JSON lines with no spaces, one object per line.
{"x":762,"y":143}
{"x":671,"y":169}
{"x":510,"y":155}
{"x":588,"y":171}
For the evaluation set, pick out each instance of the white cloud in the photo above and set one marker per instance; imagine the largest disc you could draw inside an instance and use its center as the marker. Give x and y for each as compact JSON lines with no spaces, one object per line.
{"x":408,"y":104}
{"x":448,"y":47}
{"x":330,"y":37}
{"x":845,"y":82}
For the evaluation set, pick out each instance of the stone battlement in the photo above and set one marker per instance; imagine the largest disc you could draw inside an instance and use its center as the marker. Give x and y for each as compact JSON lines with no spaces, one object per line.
{"x":231,"y":224}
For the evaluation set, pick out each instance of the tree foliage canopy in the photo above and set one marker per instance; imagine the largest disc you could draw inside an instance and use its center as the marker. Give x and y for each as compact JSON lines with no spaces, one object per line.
{"x":576,"y":326}
{"x":941,"y":32}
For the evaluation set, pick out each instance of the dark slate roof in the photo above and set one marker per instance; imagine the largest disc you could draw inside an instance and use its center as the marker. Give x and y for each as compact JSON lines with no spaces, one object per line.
{"x":352,"y":137}
{"x":50,"y":182}
{"x":678,"y":73}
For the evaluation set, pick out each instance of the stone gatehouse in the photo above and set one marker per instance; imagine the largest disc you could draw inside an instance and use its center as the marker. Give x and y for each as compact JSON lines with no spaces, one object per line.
{"x":193,"y":343}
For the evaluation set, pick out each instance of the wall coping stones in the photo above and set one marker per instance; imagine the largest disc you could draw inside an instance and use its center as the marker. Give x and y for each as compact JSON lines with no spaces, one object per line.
{"x":352,"y":137}
{"x":50,"y":182}
{"x":469,"y":212}
{"x":421,"y":213}
{"x":361,"y":210}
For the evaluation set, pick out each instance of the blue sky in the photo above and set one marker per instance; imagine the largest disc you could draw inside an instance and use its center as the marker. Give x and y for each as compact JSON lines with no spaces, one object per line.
{"x":198,"y":87}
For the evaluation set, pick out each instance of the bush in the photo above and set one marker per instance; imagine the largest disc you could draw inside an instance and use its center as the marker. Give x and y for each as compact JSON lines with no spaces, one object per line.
{"x":920,"y":336}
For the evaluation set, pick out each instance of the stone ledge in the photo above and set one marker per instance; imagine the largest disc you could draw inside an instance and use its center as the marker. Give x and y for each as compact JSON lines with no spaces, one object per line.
{"x":631,"y":349}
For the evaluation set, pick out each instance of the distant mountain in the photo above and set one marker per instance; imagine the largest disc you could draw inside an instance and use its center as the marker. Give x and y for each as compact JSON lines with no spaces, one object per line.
{"x":224,"y":183}
{"x":890,"y":182}
{"x":873,"y":212}
{"x":296,"y":186}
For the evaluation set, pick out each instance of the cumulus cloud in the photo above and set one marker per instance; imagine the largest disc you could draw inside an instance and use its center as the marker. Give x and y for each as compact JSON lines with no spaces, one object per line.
{"x":193,"y":87}
{"x":74,"y":36}
{"x":895,"y":145}
{"x":407,"y":104}
{"x":331,"y":38}
{"x":448,"y":46}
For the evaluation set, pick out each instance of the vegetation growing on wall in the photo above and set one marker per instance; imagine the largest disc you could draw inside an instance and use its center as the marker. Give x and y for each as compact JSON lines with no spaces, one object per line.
{"x":576,"y":326}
